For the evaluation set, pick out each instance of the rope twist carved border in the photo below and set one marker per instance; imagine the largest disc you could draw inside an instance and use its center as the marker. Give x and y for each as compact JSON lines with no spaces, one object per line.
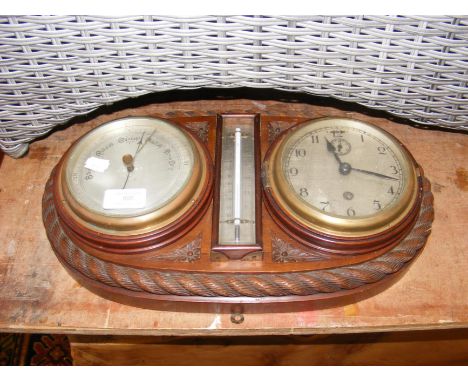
{"x":199,"y":284}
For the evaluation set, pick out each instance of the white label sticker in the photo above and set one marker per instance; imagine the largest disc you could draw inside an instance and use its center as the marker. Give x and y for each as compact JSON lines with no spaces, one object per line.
{"x":97,"y":164}
{"x":124,"y":198}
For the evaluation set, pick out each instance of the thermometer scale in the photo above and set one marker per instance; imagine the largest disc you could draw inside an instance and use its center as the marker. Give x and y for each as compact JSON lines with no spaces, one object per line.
{"x":238,"y":181}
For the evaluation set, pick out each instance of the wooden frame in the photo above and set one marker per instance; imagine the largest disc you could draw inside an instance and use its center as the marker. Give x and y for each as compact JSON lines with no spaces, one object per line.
{"x":147,"y":271}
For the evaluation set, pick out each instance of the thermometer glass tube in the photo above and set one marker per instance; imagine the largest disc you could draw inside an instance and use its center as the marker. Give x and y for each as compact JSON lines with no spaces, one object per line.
{"x":237,"y":182}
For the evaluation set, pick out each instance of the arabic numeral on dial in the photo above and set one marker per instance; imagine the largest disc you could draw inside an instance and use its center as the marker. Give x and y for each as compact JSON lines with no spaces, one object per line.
{"x":382,"y":150}
{"x":391,"y":191}
{"x":300,"y":153}
{"x":394,"y":170}
{"x":315,"y":138}
{"x":303,"y":192}
{"x":350,"y":211}
{"x":325,"y":205}
{"x":377,"y":205}
{"x":293,"y":171}
{"x":88,"y":176}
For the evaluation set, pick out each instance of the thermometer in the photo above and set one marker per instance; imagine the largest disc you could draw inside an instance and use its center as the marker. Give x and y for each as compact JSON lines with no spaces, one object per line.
{"x":237,"y":185}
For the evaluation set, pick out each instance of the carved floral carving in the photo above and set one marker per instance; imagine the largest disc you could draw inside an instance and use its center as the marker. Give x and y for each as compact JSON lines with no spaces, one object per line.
{"x":200,"y":129}
{"x":186,"y":254}
{"x":283,"y":252}
{"x":275,"y":128}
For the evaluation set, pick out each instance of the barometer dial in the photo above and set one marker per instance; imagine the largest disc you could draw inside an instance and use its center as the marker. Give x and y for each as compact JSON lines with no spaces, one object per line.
{"x":342,"y":176}
{"x":133,"y":173}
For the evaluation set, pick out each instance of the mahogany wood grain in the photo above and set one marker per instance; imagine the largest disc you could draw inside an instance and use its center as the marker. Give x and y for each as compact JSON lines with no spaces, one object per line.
{"x":449,"y":347}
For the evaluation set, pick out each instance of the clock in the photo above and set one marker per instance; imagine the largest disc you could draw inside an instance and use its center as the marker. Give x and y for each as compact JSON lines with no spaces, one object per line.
{"x":333,"y":181}
{"x":236,"y":209}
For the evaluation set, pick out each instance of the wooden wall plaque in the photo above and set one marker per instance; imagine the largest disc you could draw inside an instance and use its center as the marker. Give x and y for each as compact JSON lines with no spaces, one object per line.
{"x":189,"y":265}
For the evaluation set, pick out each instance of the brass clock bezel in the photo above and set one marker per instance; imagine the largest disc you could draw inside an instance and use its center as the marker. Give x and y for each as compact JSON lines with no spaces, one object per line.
{"x":155,"y":220}
{"x":315,"y":219}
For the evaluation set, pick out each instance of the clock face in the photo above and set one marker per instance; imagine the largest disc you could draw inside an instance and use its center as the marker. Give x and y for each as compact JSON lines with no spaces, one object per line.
{"x":342,"y":175}
{"x":344,"y":171}
{"x":132,"y":172}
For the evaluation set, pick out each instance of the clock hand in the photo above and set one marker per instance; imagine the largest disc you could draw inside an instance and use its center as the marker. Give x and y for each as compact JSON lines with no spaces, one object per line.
{"x":332,"y":150}
{"x":345,"y":168}
{"x":374,"y":173}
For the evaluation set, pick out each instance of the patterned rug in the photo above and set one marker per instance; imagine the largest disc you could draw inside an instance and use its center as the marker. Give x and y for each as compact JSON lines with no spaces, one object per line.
{"x":34,"y":350}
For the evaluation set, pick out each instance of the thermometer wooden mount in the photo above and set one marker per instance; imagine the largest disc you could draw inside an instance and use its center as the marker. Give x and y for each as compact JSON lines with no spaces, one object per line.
{"x":237,"y":208}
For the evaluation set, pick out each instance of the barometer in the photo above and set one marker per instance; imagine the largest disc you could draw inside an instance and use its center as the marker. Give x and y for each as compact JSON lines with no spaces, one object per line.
{"x":135,"y":180}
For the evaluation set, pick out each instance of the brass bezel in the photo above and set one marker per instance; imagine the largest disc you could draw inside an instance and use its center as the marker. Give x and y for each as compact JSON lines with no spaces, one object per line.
{"x":315,"y":219}
{"x":147,"y":222}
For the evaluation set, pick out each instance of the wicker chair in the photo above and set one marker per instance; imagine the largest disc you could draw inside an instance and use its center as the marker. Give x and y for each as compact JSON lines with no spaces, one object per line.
{"x":56,"y":67}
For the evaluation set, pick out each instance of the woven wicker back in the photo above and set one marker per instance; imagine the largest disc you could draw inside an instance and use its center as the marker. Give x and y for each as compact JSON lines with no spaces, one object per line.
{"x":56,"y":67}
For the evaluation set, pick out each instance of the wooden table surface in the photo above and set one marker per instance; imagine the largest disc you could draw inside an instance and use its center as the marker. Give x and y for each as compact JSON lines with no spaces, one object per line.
{"x":37,"y":294}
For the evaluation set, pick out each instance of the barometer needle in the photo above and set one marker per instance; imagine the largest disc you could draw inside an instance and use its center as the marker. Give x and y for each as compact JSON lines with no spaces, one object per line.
{"x":146,"y":141}
{"x":126,"y":180}
{"x":128,"y":159}
{"x":139,"y":143}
